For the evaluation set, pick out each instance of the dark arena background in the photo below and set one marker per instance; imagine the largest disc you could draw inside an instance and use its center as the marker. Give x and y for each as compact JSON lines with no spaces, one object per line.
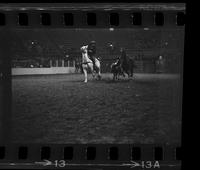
{"x":52,"y":104}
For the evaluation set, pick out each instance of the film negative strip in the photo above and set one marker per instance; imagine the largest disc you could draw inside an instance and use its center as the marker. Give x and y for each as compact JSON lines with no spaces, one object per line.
{"x":91,"y":86}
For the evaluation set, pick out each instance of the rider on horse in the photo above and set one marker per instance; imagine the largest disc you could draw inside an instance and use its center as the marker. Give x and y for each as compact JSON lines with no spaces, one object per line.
{"x":92,"y":51}
{"x":127,"y":64}
{"x":118,"y":61}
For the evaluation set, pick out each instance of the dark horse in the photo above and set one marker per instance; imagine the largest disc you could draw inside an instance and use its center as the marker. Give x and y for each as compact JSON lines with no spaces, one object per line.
{"x":126,"y":63}
{"x":116,"y":70}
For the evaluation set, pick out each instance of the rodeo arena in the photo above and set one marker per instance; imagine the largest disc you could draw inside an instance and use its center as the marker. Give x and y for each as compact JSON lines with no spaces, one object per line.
{"x":97,"y":85}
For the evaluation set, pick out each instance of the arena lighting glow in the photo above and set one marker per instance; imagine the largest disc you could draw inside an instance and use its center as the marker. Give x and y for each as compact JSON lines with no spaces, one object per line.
{"x":41,"y":9}
{"x":146,"y":29}
{"x":23,"y":9}
{"x":111,"y":29}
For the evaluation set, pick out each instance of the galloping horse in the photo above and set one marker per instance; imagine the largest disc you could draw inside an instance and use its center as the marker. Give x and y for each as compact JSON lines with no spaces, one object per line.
{"x":88,"y":64}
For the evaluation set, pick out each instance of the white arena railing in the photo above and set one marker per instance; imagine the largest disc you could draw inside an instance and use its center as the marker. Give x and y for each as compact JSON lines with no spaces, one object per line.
{"x":65,"y":68}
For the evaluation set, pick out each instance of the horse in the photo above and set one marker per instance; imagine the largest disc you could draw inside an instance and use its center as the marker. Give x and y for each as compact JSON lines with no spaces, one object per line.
{"x":87,"y":64}
{"x":127,"y":64}
{"x":116,"y":70}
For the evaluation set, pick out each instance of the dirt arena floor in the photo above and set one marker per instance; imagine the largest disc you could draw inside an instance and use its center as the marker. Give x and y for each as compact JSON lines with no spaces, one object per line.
{"x":63,"y":109}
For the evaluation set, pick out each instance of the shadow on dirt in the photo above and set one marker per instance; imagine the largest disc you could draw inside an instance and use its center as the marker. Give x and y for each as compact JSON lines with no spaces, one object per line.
{"x":111,"y":81}
{"x":103,"y":80}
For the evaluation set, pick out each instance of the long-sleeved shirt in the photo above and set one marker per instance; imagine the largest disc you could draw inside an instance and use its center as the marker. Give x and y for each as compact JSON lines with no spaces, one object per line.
{"x":91,"y":50}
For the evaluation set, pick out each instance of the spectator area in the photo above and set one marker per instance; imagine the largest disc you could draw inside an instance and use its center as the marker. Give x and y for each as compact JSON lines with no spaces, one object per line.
{"x":37,"y":47}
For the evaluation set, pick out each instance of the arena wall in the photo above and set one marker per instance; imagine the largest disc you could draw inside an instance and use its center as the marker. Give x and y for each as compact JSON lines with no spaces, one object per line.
{"x":42,"y":71}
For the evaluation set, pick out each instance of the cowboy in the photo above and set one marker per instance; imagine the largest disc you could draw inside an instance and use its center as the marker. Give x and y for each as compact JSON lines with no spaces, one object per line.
{"x":122,"y":59}
{"x":117,"y":63}
{"x":92,"y":51}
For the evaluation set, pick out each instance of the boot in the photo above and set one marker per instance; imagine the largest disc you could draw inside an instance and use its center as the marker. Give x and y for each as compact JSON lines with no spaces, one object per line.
{"x":93,"y":61}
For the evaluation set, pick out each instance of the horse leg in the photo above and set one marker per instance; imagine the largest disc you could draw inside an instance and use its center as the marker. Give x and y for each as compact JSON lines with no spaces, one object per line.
{"x":85,"y":73}
{"x":131,"y":72}
{"x":128,"y":73}
{"x":113,"y":76}
{"x":118,"y":75}
{"x":122,"y":72}
{"x":99,"y":74}
{"x":92,"y":70}
{"x":98,"y":70}
{"x":131,"y":69}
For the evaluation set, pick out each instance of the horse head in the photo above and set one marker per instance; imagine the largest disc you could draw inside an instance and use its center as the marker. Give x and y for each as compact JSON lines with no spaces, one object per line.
{"x":84,"y":49}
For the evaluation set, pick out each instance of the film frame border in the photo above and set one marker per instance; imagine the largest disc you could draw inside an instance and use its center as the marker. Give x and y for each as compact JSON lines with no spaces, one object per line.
{"x":129,"y":156}
{"x":123,"y":14}
{"x":81,"y":22}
